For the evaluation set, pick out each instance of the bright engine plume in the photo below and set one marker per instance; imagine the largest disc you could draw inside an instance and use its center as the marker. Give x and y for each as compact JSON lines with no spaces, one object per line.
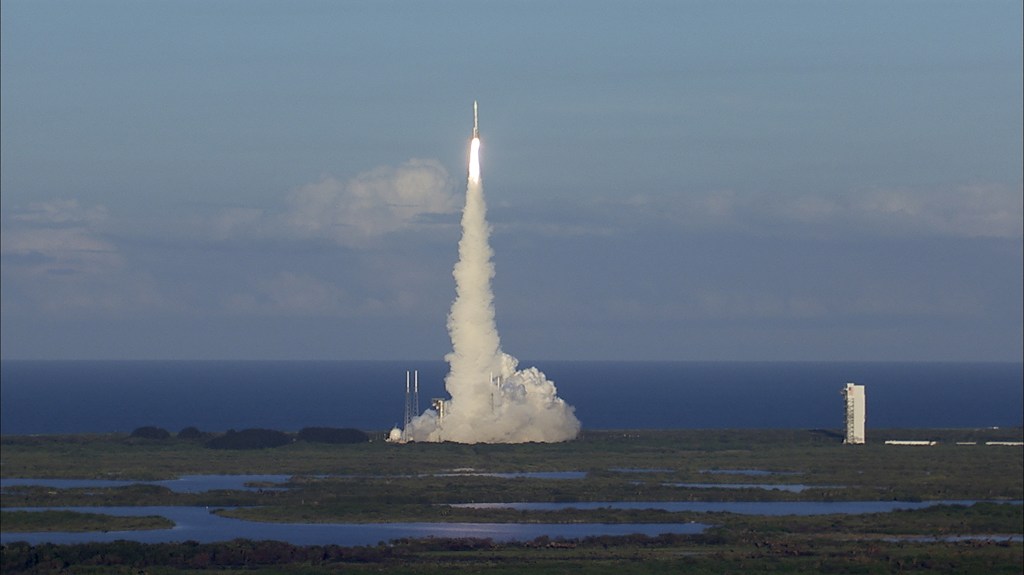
{"x":491,"y":400}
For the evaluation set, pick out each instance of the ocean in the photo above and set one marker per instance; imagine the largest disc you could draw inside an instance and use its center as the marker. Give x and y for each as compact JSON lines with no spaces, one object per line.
{"x":56,"y":397}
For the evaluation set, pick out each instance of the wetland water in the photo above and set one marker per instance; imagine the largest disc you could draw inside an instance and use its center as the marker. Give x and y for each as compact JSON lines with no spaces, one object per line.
{"x":740,"y":507}
{"x":791,"y":487}
{"x":199,"y":524}
{"x":203,"y":483}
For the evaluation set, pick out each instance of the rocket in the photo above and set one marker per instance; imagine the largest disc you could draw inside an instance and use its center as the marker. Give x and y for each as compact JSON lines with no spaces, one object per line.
{"x":476,"y":124}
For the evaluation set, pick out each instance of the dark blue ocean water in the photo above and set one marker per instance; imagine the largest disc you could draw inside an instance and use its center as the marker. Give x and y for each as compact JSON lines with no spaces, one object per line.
{"x":52,"y":397}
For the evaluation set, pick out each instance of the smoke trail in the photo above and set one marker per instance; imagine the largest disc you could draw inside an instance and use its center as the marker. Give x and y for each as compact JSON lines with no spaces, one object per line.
{"x":491,"y":401}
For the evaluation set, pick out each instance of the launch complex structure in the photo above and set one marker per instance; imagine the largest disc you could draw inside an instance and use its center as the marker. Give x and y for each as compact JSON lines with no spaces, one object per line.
{"x":855,"y":413}
{"x":412,"y":397}
{"x":412,"y":403}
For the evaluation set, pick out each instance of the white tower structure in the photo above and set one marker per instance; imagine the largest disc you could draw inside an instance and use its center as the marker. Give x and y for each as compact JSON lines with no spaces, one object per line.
{"x":855,"y":415}
{"x":412,"y":397}
{"x":412,"y":407}
{"x":415,"y":393}
{"x":408,"y":401}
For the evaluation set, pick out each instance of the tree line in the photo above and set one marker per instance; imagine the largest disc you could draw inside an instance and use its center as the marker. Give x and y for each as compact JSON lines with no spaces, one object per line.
{"x":20,"y":557}
{"x":255,"y":438}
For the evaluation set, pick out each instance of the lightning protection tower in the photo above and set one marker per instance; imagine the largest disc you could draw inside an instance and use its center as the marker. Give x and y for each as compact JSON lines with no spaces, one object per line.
{"x":412,"y":396}
{"x":415,"y":393}
{"x":855,"y":415}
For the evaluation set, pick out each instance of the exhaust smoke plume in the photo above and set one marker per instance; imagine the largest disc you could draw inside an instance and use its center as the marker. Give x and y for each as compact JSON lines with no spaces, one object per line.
{"x":492,"y":401}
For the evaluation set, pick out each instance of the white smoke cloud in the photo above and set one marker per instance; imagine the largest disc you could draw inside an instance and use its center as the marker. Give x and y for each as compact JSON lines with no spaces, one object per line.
{"x":491,"y":400}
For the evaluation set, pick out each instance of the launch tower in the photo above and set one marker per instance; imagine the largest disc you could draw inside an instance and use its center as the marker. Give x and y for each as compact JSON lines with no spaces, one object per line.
{"x":412,"y":397}
{"x":854,"y":395}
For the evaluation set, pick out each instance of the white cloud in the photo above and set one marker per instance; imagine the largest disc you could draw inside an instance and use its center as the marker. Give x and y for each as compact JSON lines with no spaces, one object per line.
{"x":967,"y":211}
{"x":57,"y":259}
{"x":59,"y":238}
{"x":62,"y":212}
{"x":375,"y":203}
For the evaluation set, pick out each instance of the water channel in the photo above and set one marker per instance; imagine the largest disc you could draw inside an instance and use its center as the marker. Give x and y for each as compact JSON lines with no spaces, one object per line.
{"x":773,"y":508}
{"x":200,"y":524}
{"x":203,"y":483}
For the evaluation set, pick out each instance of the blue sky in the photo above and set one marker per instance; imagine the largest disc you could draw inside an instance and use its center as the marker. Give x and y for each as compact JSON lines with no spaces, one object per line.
{"x":666,"y":180}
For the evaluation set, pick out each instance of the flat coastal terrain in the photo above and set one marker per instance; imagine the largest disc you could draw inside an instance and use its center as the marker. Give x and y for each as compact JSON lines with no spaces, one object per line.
{"x":975,"y":477}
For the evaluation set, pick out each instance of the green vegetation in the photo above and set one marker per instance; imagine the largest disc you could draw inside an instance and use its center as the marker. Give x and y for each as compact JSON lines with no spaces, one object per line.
{"x":377,"y":482}
{"x":720,"y":552}
{"x":250,"y":439}
{"x":332,"y":435}
{"x":191,"y":433}
{"x":816,"y":458}
{"x":35,"y":521}
{"x":150,"y":432}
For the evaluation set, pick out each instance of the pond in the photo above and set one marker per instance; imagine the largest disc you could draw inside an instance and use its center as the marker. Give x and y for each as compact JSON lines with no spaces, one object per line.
{"x":199,"y":524}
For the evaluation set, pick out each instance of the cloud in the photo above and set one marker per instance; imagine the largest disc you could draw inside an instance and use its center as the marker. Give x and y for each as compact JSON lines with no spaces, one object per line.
{"x":967,"y":211}
{"x":57,"y":258}
{"x":970,"y":211}
{"x":58,"y":238}
{"x":290,"y":293}
{"x":237,"y":221}
{"x":980,"y":210}
{"x":375,"y":203}
{"x":62,"y":256}
{"x":62,"y":212}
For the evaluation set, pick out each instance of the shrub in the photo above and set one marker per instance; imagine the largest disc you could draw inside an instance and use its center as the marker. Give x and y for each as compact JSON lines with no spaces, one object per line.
{"x":249,"y":439}
{"x":333,"y":435}
{"x":150,"y":432}
{"x":190,"y":433}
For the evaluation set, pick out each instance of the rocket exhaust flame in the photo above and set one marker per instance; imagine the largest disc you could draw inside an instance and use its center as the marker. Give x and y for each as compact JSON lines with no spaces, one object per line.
{"x":474,"y":161}
{"x":474,"y":149}
{"x":491,"y":401}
